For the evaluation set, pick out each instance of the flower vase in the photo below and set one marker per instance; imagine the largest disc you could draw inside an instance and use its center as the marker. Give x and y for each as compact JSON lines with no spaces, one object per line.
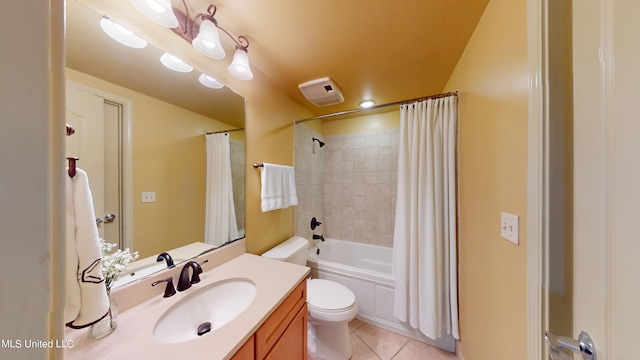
{"x":107,"y":324}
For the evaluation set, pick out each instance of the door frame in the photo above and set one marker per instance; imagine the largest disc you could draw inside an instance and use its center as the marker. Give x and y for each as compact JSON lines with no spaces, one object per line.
{"x":127,"y":155}
{"x":537,"y":186}
{"x":592,"y":105}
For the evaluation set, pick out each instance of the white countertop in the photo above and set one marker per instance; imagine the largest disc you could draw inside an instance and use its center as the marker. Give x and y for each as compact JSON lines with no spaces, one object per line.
{"x":133,"y":338}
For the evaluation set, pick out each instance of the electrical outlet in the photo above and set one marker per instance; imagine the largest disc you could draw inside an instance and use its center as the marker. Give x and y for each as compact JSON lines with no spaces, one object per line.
{"x":148,"y":197}
{"x":509,"y":227}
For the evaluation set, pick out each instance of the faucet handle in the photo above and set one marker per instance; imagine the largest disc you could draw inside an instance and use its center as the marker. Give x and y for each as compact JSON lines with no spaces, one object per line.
{"x":169,"y":290}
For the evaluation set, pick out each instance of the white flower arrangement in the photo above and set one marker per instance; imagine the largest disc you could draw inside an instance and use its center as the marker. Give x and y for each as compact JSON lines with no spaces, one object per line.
{"x":113,"y":264}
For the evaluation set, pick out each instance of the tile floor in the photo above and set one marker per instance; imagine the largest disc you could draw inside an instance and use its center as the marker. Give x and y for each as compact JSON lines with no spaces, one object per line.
{"x":372,"y":343}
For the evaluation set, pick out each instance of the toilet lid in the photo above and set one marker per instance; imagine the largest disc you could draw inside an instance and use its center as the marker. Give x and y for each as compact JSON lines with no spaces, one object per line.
{"x":329,"y":295}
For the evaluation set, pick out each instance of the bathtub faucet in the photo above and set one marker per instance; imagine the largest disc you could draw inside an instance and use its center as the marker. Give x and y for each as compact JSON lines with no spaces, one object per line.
{"x":318,"y":237}
{"x":315,"y":223}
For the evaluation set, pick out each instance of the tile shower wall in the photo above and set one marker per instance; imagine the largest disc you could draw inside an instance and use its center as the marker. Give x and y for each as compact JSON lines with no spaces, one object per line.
{"x":308,"y":164}
{"x":349,"y":185}
{"x":359,"y":186}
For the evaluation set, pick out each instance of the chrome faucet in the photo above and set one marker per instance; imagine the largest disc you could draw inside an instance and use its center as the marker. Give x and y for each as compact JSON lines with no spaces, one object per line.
{"x":165,"y":256}
{"x":183,"y":281}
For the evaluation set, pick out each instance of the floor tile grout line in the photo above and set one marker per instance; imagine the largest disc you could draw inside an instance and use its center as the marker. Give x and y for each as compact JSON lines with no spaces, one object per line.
{"x":400,"y":349}
{"x":367,"y":345}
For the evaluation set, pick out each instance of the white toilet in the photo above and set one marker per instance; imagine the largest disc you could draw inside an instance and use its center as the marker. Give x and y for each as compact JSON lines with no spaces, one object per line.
{"x":331,"y":305}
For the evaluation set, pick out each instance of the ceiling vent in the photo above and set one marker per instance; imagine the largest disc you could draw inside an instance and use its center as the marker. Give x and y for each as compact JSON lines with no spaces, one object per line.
{"x":321,"y":92}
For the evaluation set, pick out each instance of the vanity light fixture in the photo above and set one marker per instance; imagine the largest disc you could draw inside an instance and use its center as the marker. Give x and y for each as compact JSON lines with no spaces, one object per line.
{"x":159,"y":11}
{"x":367,"y":103}
{"x":121,"y":34}
{"x":175,"y":63}
{"x":239,"y":67}
{"x":210,"y":82}
{"x":203,"y":32}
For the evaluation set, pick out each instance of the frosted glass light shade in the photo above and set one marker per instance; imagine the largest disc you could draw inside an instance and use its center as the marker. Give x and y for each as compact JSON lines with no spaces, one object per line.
{"x":159,"y":11}
{"x":367,"y":103}
{"x":239,"y":67}
{"x":175,"y":63}
{"x":210,"y":82}
{"x":122,"y":35}
{"x":208,"y":41}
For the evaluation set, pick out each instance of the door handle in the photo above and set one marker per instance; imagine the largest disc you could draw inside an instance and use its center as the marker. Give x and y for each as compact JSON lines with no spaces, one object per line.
{"x":109,"y":218}
{"x":98,"y":221}
{"x":558,"y":344}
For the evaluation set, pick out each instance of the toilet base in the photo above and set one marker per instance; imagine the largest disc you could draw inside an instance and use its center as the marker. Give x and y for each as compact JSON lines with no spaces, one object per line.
{"x":331,"y":342}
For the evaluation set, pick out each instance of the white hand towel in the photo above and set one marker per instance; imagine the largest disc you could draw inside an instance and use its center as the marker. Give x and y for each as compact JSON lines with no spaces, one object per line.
{"x":278,"y":187}
{"x":87,"y":300}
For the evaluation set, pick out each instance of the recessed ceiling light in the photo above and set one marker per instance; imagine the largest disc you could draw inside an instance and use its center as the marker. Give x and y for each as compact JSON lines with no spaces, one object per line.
{"x":175,"y":63}
{"x":367,"y":103}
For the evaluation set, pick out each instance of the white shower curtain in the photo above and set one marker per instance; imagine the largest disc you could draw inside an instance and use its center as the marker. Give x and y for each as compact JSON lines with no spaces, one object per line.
{"x":424,"y":240}
{"x":220,"y":220}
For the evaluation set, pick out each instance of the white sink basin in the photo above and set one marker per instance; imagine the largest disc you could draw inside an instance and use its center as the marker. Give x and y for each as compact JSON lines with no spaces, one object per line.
{"x":204,"y":310}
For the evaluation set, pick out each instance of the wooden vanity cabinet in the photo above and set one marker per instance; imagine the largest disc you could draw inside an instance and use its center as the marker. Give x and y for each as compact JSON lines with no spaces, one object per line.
{"x":284,"y":334}
{"x":247,"y":351}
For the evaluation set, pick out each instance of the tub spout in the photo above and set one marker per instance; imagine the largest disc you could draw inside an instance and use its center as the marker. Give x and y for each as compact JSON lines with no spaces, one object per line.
{"x":318,"y":237}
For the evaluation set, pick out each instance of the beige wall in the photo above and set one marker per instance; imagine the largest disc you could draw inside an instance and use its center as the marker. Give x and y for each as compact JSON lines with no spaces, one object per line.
{"x":492,"y":76}
{"x":169,"y":158}
{"x":270,"y":117}
{"x":387,"y":120}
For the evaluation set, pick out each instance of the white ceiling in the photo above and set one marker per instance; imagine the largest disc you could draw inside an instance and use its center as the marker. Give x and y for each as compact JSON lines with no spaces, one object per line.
{"x":383,"y":49}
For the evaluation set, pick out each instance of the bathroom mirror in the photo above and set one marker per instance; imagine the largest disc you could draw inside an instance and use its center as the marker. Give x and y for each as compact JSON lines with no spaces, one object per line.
{"x":170,"y":113}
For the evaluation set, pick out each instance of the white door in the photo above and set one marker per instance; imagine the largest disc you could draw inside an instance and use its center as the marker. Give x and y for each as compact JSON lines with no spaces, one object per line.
{"x":85,"y":113}
{"x":606,"y":68}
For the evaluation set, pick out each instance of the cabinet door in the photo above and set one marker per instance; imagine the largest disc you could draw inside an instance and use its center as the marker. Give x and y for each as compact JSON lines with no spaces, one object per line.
{"x":273,"y":328}
{"x":246,"y":352}
{"x":293,"y":342}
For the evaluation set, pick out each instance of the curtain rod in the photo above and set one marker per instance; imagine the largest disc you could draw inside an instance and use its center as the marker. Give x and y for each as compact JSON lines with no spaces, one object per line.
{"x":224,"y":131}
{"x":346,"y":112}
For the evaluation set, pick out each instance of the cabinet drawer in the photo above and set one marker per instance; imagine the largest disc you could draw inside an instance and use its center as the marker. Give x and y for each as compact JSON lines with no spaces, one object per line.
{"x":269,"y":333}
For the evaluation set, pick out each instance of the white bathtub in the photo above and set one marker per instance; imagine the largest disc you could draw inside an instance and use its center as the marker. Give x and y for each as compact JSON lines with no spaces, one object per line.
{"x":366,"y":270}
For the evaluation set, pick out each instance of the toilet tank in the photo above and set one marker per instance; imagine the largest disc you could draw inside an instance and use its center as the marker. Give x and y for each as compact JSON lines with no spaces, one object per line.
{"x":293,"y":250}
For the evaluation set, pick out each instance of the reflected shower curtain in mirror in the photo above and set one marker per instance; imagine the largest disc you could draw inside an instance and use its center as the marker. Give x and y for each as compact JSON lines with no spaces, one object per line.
{"x":424,"y":240}
{"x":220,"y":223}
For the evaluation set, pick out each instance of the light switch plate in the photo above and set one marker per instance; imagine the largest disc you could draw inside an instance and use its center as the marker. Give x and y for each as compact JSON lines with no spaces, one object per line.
{"x":148,"y":197}
{"x":509,"y":227}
